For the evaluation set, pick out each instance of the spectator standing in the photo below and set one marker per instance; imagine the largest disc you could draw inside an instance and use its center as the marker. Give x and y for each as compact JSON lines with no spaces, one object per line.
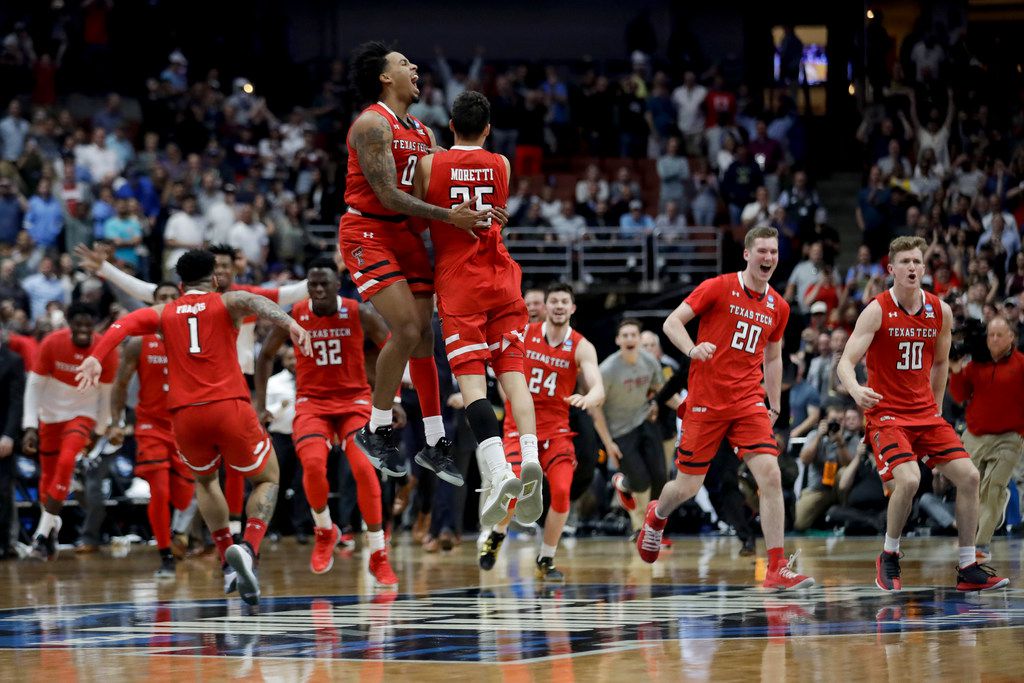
{"x":221,"y":216}
{"x":43,"y":287}
{"x":689,"y":101}
{"x":184,"y":231}
{"x":124,"y":231}
{"x":673,"y":173}
{"x":250,"y":236}
{"x":12,"y":211}
{"x":741,"y":180}
{"x":44,"y":219}
{"x":100,"y":160}
{"x":13,"y":133}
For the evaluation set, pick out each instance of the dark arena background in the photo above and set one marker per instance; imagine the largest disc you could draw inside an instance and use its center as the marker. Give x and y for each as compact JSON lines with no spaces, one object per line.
{"x":645,"y":140}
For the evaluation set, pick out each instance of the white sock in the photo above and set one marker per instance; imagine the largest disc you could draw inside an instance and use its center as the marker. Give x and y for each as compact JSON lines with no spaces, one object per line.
{"x":376,"y":539}
{"x":433,"y":429}
{"x":967,"y":557}
{"x":235,"y":526}
{"x":547,"y":550}
{"x":892,"y":545}
{"x":380,"y":418}
{"x":528,"y":446}
{"x":494,"y":455}
{"x":47,"y":522}
{"x":322,"y":520}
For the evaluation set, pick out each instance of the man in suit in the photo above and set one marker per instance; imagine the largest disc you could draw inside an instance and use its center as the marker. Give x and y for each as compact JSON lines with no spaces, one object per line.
{"x":12,"y":390}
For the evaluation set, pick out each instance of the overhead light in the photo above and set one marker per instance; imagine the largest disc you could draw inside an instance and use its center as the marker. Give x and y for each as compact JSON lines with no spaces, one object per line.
{"x":871,"y":14}
{"x":851,"y":90}
{"x":247,"y":88}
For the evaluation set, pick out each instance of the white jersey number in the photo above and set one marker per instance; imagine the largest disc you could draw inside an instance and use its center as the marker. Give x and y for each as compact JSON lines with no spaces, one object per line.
{"x":911,"y":356}
{"x":746,"y":337}
{"x":538,"y":382}
{"x":328,"y":352}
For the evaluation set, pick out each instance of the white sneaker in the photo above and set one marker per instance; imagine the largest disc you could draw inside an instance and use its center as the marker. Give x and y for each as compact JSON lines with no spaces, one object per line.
{"x":230,"y":579}
{"x":503,"y":489}
{"x":530,"y":505}
{"x":240,"y":558}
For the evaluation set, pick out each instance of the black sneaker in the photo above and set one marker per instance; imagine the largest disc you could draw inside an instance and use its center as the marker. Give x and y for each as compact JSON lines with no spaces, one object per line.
{"x":978,"y":577}
{"x":439,"y":460}
{"x":749,"y":549}
{"x":887,"y":576}
{"x":547,"y":572}
{"x":489,"y":551}
{"x":42,"y":549}
{"x":168,"y":567}
{"x":381,"y":450}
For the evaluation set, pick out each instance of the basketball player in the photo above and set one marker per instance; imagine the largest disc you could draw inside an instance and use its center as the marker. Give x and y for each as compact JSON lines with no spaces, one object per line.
{"x":95,"y":261}
{"x":211,"y":414}
{"x":481,"y":308}
{"x":906,"y":334}
{"x":556,"y":355}
{"x":332,"y":403}
{"x":387,"y":258}
{"x":742,"y":320}
{"x":59,"y":421}
{"x":156,"y":459}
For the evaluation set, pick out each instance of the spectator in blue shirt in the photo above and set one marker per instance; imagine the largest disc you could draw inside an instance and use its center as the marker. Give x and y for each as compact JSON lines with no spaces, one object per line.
{"x":125,"y":232}
{"x":43,"y":287}
{"x":635,"y":223}
{"x":141,"y":188}
{"x":102,"y":209}
{"x":12,"y":211}
{"x":44,"y":219}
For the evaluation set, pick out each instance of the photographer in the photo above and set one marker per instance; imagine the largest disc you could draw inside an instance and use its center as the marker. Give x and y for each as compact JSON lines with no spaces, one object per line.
{"x":989,"y":381}
{"x":862,"y":499}
{"x":828,"y":448}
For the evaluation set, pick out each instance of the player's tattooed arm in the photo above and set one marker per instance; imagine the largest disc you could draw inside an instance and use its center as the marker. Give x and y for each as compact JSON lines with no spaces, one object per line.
{"x":371,"y":136}
{"x":241,"y":303}
{"x":130,"y":354}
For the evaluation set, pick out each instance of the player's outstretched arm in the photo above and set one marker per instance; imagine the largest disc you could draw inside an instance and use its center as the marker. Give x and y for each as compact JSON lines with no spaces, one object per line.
{"x":372,"y":138}
{"x":93,"y":260}
{"x":264,"y":366}
{"x":586,"y":361}
{"x":130,"y":354}
{"x":135,"y":324}
{"x":675,"y":330}
{"x":868,"y":323}
{"x":241,"y":304}
{"x":940,"y":364}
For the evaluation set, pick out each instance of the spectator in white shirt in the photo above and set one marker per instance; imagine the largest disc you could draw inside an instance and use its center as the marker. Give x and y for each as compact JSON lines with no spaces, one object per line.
{"x":250,"y":236}
{"x":936,"y":134}
{"x":220,"y":217}
{"x":671,"y":222}
{"x":101,"y":161}
{"x":995,"y":207}
{"x":758,"y":212}
{"x":184,"y":231}
{"x":689,"y":101}
{"x":567,"y":224}
{"x":592,"y":175}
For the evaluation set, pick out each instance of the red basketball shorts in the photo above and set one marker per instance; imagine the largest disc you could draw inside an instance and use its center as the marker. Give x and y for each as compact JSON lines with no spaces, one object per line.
{"x":494,"y":336}
{"x":378,"y":254}
{"x":933,"y":443}
{"x":59,"y":445}
{"x":700,"y":438}
{"x":226,"y":429}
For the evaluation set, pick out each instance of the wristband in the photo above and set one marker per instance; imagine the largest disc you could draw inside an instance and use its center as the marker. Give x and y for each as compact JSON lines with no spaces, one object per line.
{"x":689,"y":353}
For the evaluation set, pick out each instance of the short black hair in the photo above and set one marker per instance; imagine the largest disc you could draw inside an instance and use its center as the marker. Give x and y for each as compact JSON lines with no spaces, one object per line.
{"x":625,"y":322}
{"x":368,"y":62}
{"x":471,"y":112}
{"x":78,"y":308}
{"x":560,"y":287}
{"x":222,"y":250}
{"x":165,"y":283}
{"x":195,"y":265}
{"x":323,"y":263}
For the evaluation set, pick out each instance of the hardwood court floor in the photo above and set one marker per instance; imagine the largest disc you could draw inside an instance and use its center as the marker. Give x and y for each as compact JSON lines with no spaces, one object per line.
{"x":695,"y":615}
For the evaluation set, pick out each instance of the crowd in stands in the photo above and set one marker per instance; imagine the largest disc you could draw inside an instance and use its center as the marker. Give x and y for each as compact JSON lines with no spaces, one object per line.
{"x":188,"y":161}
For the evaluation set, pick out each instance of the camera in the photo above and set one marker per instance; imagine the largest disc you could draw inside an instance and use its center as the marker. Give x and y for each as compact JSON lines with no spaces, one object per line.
{"x":833,"y":426}
{"x":969,"y":339}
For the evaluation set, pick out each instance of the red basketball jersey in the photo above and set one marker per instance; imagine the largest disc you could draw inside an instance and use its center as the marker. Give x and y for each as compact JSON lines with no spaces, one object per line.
{"x":200,"y":337}
{"x":900,"y":360}
{"x":334,"y":377}
{"x":59,"y":358}
{"x":740,"y":323}
{"x":410,"y":142}
{"x":153,"y":384}
{"x":471,"y":275}
{"x":551,"y":373}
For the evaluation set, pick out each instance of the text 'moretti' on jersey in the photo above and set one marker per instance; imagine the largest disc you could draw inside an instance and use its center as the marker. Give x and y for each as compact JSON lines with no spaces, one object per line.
{"x":200,"y":337}
{"x":333,"y":380}
{"x":410,"y":142}
{"x":471,"y":275}
{"x":551,"y":373}
{"x":740,"y":323}
{"x":899,"y":361}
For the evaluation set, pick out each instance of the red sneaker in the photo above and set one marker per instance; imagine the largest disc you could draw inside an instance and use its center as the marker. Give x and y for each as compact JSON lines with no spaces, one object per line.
{"x":648,"y":541}
{"x":381,"y":569}
{"x":322,"y":559}
{"x":626,"y":499}
{"x":784,"y":578}
{"x":887,"y":572}
{"x":347,"y":540}
{"x":978,"y":577}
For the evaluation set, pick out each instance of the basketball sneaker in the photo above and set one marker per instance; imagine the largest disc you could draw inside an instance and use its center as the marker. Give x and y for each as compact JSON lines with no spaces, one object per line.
{"x":504,"y":488}
{"x":322,"y":558}
{"x":648,"y":540}
{"x":530,"y":505}
{"x":230,"y":578}
{"x":381,"y":449}
{"x":978,"y":577}
{"x":489,"y":550}
{"x":43,"y":549}
{"x":887,"y":576}
{"x":168,"y":567}
{"x":782,"y":577}
{"x":625,"y":496}
{"x":242,"y":559}
{"x":348,"y":539}
{"x":546,"y":571}
{"x":439,"y":460}
{"x":748,"y":549}
{"x":383,"y":575}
